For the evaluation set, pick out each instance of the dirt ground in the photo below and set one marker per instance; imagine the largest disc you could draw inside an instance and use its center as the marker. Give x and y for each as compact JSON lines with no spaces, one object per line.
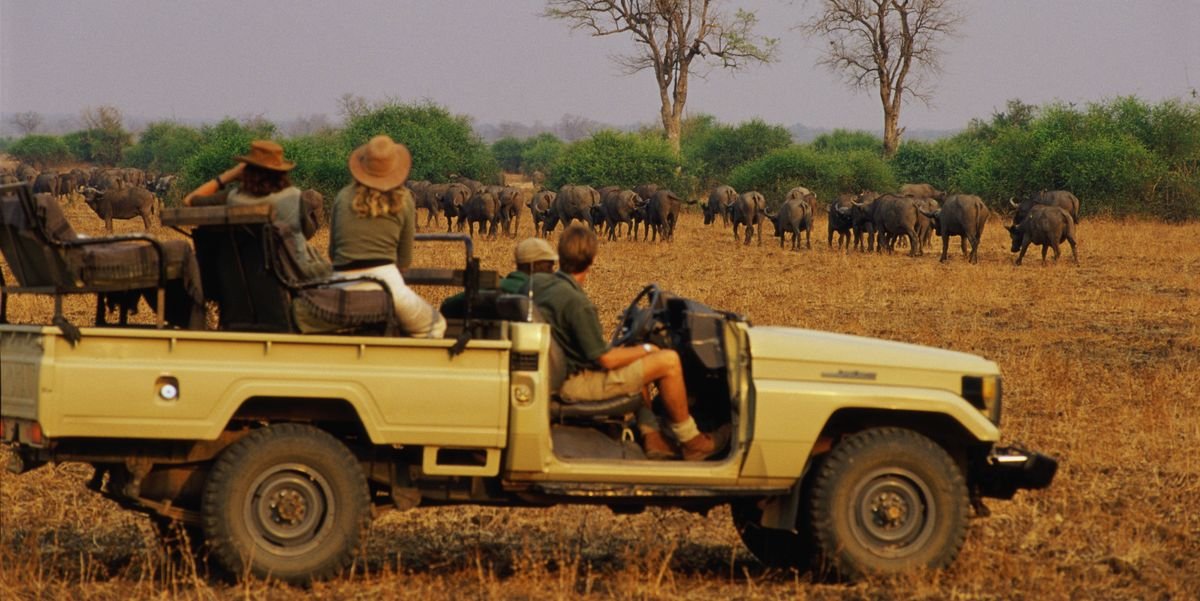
{"x":1099,"y":358}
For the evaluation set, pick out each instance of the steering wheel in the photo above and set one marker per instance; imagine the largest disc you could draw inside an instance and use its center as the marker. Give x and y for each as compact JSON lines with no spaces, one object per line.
{"x":637,"y":323}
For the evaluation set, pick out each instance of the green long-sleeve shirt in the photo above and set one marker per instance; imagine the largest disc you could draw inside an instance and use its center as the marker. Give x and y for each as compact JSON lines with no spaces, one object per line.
{"x":353,"y":238}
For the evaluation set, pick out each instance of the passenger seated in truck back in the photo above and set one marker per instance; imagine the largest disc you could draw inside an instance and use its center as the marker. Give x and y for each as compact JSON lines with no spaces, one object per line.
{"x":532,"y":255}
{"x":371,"y":229}
{"x":597,"y":372}
{"x":262,"y":178}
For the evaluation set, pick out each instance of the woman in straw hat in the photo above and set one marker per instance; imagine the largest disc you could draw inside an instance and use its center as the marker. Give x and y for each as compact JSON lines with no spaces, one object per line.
{"x":261,"y":176}
{"x":371,"y":231}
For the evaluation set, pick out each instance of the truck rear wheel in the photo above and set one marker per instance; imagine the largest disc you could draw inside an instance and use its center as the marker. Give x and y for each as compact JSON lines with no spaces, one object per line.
{"x":887,"y":500}
{"x":287,"y":501}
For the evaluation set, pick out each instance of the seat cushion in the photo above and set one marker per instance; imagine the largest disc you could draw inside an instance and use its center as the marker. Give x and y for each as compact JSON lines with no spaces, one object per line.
{"x":331,"y":309}
{"x":612,"y":407}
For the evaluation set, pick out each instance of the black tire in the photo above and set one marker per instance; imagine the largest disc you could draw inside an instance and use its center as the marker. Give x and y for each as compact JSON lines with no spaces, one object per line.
{"x":887,"y":500}
{"x":289,"y":502}
{"x":774,"y":548}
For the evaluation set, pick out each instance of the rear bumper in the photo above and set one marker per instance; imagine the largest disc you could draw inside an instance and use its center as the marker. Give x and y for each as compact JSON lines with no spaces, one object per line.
{"x":1005,"y":470}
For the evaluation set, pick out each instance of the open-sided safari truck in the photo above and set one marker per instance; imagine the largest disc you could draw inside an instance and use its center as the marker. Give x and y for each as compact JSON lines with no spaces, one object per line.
{"x":274,"y":448}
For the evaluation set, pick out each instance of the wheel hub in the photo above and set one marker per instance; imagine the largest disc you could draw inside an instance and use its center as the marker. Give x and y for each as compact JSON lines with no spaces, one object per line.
{"x":290,"y":509}
{"x":895,"y":513}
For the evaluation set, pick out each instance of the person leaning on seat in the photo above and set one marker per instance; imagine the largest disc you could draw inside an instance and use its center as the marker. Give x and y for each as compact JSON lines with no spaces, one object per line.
{"x":261,"y":177}
{"x":597,"y":372}
{"x":532,"y":255}
{"x":371,"y":229}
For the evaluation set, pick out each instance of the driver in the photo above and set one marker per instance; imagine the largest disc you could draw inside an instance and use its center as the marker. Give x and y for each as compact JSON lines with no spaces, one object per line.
{"x":596,"y":372}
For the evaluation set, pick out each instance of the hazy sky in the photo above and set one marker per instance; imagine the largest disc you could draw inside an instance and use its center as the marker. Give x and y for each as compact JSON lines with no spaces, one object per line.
{"x":498,"y":60}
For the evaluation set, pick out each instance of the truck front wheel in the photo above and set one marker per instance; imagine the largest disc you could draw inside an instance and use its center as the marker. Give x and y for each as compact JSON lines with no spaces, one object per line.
{"x":287,"y":501}
{"x":887,"y":500}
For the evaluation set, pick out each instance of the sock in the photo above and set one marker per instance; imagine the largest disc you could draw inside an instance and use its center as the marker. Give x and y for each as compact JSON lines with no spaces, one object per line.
{"x":685,"y":430}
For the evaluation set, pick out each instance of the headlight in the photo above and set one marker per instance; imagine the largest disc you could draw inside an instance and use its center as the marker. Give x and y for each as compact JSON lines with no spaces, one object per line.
{"x":984,"y":393}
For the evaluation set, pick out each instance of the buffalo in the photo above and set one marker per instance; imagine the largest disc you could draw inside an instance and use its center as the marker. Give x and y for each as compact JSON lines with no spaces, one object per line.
{"x":483,"y":208}
{"x":662,"y":212}
{"x":795,"y":215}
{"x":922,"y":191}
{"x":510,"y":209}
{"x":1047,"y":226}
{"x":963,"y":215}
{"x":539,"y":207}
{"x":454,"y":202}
{"x":895,"y":216}
{"x":46,"y":182}
{"x":750,"y":209}
{"x":862,"y":215}
{"x":124,"y":203}
{"x":1054,"y":198}
{"x":619,"y":206}
{"x":924,"y":226}
{"x":841,"y":220}
{"x":720,"y":201}
{"x":571,"y":203}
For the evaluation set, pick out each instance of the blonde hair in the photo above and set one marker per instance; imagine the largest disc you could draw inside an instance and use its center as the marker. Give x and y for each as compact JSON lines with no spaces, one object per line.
{"x":369,"y":202}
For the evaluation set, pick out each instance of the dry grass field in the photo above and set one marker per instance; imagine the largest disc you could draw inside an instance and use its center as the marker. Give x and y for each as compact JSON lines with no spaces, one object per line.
{"x":1100,"y":363}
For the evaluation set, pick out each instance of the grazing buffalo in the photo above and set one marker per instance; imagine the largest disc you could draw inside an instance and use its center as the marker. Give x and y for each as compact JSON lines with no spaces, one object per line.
{"x":841,"y":220}
{"x":720,"y":201}
{"x":963,"y":215}
{"x":454,"y":203}
{"x":895,"y":216}
{"x":124,"y":203}
{"x":795,"y":215}
{"x":1054,"y":198}
{"x":922,"y":191}
{"x":1046,"y":225}
{"x":483,"y":208}
{"x":662,"y":213}
{"x":619,"y":206}
{"x":540,"y":205}
{"x":750,"y":209}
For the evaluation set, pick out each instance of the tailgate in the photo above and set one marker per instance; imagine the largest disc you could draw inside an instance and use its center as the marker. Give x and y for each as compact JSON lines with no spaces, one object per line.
{"x":22,"y":363}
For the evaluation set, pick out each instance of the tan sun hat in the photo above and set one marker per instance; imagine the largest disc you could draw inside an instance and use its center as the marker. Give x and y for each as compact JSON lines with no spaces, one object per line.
{"x":532,"y":250}
{"x":268,"y":155}
{"x":380,"y":163}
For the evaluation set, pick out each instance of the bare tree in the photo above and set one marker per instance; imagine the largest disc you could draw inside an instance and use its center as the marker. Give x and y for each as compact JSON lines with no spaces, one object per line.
{"x":574,"y":127}
{"x":104,"y":118}
{"x":351,"y":106}
{"x":27,"y":122}
{"x":670,"y":35}
{"x":891,"y":44}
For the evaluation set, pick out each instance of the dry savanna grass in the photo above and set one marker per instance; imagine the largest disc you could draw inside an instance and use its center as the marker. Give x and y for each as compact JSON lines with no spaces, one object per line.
{"x":1100,"y":361}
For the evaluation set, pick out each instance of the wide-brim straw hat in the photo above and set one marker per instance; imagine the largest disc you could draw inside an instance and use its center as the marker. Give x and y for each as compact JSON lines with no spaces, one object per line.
{"x":532,"y":250}
{"x":380,"y":163}
{"x":268,"y":155}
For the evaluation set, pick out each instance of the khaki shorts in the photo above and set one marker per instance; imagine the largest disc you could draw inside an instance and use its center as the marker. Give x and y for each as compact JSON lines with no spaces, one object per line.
{"x":591,"y":385}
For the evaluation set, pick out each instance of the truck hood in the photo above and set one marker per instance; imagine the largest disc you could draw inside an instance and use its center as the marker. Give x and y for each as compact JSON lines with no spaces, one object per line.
{"x":800,"y":354}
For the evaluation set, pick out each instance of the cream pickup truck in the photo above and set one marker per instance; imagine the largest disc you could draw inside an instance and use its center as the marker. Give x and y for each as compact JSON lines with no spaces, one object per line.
{"x":273,"y":450}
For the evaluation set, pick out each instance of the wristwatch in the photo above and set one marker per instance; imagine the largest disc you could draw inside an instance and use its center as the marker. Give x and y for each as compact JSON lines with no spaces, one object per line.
{"x":646,"y":347}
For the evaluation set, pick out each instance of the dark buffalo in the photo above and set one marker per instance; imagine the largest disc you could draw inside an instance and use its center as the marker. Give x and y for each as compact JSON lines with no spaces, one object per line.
{"x":841,"y":220}
{"x":510,"y":199}
{"x":454,"y":204}
{"x":46,"y":183}
{"x":619,"y":206}
{"x":1047,"y":226}
{"x":422,"y":199}
{"x":571,"y":203}
{"x":863,"y":217}
{"x":924,"y":226}
{"x":1054,"y":198}
{"x":795,"y":215}
{"x":645,"y":191}
{"x":895,"y":216}
{"x":963,"y":215}
{"x":483,"y":208}
{"x":540,"y":205}
{"x":720,"y":201}
{"x":922,"y":191}
{"x":750,"y":210}
{"x":662,"y":213}
{"x":125,"y":203}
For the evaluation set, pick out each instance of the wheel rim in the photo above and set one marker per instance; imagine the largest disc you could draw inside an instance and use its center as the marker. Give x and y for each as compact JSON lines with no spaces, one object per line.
{"x":290,"y":509}
{"x":894,"y":513}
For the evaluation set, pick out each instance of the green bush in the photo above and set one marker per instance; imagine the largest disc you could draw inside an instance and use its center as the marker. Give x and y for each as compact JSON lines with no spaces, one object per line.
{"x":321,"y":162}
{"x":717,"y":149}
{"x":442,"y":145}
{"x":614,"y":158}
{"x":219,"y":144}
{"x":100,"y":146}
{"x":40,"y":150}
{"x":825,"y":173}
{"x":164,"y":147}
{"x":842,"y":140}
{"x":540,"y":152}
{"x":507,"y":151}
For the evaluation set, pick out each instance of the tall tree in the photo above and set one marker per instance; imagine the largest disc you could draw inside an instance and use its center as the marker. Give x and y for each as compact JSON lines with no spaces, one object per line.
{"x":891,"y":44}
{"x":27,"y":122}
{"x":670,"y":35}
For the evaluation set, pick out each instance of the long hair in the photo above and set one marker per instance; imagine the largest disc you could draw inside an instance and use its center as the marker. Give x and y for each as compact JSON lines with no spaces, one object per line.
{"x":257,"y":181}
{"x":369,"y":202}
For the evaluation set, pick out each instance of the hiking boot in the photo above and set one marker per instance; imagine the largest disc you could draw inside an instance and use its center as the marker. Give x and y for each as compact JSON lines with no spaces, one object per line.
{"x":706,"y":446}
{"x":656,"y":446}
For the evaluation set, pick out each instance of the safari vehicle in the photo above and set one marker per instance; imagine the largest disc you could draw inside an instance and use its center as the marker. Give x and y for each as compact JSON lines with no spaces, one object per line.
{"x":272,"y":450}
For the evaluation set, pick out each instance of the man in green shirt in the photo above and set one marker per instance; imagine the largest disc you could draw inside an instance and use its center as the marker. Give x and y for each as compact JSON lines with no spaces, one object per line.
{"x":533,"y":255}
{"x":596,"y":372}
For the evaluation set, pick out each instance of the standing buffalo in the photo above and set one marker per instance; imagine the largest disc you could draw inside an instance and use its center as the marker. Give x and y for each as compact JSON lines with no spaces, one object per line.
{"x":484,"y":209}
{"x":841,"y":220}
{"x":750,"y":210}
{"x":645,"y":191}
{"x":1046,"y":225}
{"x":795,"y":215}
{"x":424,"y":197}
{"x":895,"y":216}
{"x":720,"y":201}
{"x":571,"y":203}
{"x":540,"y":205}
{"x":454,"y":203}
{"x":862,"y":214}
{"x":619,"y":206}
{"x":1054,"y":198}
{"x":46,"y":182}
{"x":921,"y":191}
{"x":125,"y":203}
{"x":662,"y":212}
{"x":963,"y":215}
{"x":924,"y":226}
{"x":510,"y":209}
